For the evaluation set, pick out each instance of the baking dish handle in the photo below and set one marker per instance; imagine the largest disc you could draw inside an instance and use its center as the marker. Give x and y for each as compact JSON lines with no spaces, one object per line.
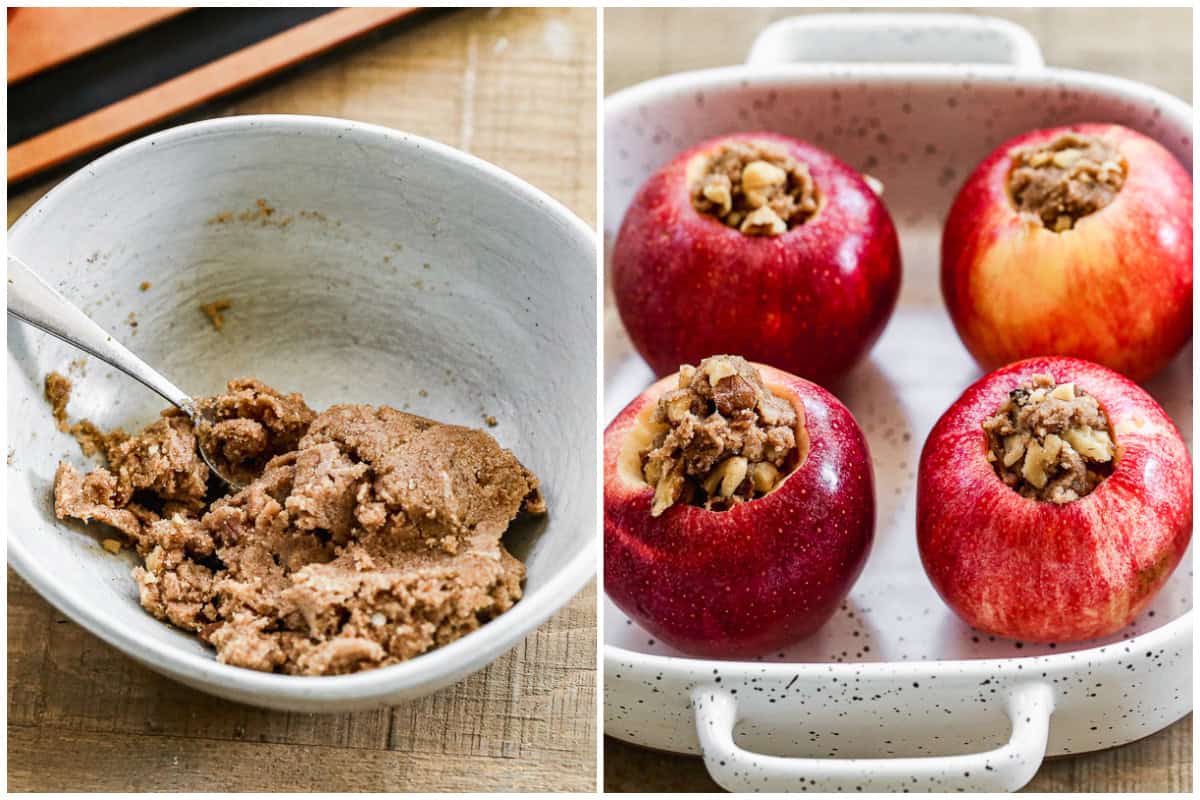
{"x":1006,"y":768}
{"x":896,"y":38}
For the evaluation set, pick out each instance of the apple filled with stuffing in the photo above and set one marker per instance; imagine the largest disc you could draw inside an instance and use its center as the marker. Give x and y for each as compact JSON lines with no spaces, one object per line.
{"x":1073,"y":241}
{"x":738,"y":508}
{"x":1054,"y":499}
{"x":759,"y":244}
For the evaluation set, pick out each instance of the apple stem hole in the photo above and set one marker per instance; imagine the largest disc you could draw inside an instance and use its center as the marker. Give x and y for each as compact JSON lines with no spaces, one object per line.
{"x":755,"y":187}
{"x":720,"y":438}
{"x":1066,"y":179}
{"x":1050,"y":441}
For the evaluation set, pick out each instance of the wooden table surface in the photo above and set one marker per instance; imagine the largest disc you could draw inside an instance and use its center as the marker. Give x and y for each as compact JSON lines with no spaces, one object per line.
{"x":1153,"y":46}
{"x":516,"y":87}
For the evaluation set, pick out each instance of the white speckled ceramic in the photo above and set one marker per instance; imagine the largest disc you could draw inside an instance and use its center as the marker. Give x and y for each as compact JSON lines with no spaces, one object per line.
{"x":895,"y":692}
{"x":392,"y":270}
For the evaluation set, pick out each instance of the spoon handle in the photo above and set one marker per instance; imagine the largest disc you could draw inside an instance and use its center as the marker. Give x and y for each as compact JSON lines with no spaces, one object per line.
{"x":33,"y":300}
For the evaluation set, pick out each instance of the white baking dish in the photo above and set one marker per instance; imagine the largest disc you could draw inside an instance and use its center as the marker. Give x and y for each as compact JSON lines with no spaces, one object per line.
{"x":393,"y":270}
{"x":894,"y":693}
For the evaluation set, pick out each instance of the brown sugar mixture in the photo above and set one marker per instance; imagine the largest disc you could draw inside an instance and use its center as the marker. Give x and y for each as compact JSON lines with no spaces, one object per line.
{"x":90,"y":438}
{"x":723,"y":438}
{"x":1065,"y":180}
{"x":757,"y":188}
{"x":215,"y":312}
{"x":1050,"y":442}
{"x":364,"y":536}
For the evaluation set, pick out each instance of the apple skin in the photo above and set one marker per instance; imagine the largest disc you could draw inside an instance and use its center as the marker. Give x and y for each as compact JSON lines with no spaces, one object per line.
{"x":811,"y":301}
{"x":1115,"y":289}
{"x":1041,"y":572}
{"x":760,"y":576}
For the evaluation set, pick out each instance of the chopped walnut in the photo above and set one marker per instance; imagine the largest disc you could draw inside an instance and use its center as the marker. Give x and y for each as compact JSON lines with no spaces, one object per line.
{"x":1065,"y":180}
{"x":723,"y":438}
{"x":1049,"y":441}
{"x":757,"y":188}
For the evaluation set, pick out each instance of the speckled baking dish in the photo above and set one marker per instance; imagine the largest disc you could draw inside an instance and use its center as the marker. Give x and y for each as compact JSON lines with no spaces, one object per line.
{"x":895,"y":692}
{"x":391,"y":270}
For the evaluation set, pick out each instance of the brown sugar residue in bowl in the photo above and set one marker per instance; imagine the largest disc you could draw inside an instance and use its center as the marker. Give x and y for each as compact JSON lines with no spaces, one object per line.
{"x":1050,"y":442}
{"x":90,"y":438}
{"x":723,"y":438}
{"x":214,"y":311}
{"x":58,"y":394}
{"x":261,"y":209}
{"x":757,"y":188}
{"x":262,"y":212}
{"x":1064,"y":180}
{"x":365,"y":536}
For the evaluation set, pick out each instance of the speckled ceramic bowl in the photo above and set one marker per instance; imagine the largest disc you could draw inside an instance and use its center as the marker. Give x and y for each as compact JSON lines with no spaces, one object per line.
{"x":391,"y":269}
{"x":895,"y":692}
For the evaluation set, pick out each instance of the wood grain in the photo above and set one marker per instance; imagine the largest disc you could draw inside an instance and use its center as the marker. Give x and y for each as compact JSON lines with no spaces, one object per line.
{"x":516,"y":87}
{"x":1152,"y":46}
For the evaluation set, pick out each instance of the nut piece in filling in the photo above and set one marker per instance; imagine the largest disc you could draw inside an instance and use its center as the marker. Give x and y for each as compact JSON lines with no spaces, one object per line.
{"x":757,"y":188}
{"x":1066,"y":179}
{"x":723,"y":438}
{"x":364,"y":536}
{"x":1050,"y":442}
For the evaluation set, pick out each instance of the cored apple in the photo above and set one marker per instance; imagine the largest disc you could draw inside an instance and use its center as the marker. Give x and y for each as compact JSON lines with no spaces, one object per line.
{"x":1073,"y":241}
{"x":1054,"y":499}
{"x":758,"y":244}
{"x":738,"y":508}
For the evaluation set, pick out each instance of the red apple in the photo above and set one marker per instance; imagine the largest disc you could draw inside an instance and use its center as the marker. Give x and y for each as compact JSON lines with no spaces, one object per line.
{"x":1043,"y":571}
{"x":1116,"y":288}
{"x":811,"y":301}
{"x":759,"y":576}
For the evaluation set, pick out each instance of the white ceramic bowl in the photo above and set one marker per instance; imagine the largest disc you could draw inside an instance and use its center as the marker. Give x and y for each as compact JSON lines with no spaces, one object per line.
{"x":392,"y":270}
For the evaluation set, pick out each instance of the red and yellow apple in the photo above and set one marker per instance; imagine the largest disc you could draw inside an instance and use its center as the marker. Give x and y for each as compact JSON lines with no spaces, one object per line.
{"x":1044,"y":571}
{"x":1113,"y":286}
{"x":811,"y":300}
{"x":758,"y":576}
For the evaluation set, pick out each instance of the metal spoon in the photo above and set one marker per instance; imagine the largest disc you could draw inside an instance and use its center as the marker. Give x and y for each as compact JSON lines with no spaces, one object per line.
{"x":32,"y":300}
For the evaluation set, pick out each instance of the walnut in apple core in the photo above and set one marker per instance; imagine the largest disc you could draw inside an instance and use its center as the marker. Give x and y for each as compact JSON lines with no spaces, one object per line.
{"x":1050,"y":442}
{"x":1064,"y":180}
{"x":365,"y":536}
{"x":757,"y":188}
{"x":722,"y":438}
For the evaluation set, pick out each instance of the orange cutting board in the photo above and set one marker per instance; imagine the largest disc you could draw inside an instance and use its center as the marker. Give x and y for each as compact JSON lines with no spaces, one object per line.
{"x":40,"y":38}
{"x":235,"y":71}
